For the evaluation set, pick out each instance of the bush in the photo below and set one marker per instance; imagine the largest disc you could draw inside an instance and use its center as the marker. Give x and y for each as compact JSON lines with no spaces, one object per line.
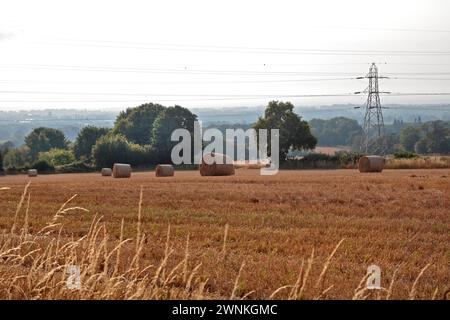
{"x":405,"y":155}
{"x":43,"y":166}
{"x":57,"y":157}
{"x":341,"y":159}
{"x":142,"y":155}
{"x":296,"y":164}
{"x":311,"y":161}
{"x":111,"y":149}
{"x":76,"y":167}
{"x":348,"y":157}
{"x":319,"y":157}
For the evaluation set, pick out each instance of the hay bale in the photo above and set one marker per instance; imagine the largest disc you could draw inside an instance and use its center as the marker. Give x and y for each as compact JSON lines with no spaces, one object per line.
{"x":371,"y":164}
{"x":164,"y":170}
{"x":121,"y":170}
{"x":106,"y":172}
{"x":216,"y":164}
{"x":32,"y":173}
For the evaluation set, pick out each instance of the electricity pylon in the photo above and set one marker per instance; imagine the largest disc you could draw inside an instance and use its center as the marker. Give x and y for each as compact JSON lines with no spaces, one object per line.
{"x":373,"y":127}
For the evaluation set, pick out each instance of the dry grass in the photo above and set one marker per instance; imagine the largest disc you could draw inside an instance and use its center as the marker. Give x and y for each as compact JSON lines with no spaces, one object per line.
{"x":34,"y":266}
{"x":297,"y":235}
{"x":432,"y":162}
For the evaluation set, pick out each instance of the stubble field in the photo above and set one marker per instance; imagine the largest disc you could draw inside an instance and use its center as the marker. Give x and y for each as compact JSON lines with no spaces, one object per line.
{"x":299,"y":234}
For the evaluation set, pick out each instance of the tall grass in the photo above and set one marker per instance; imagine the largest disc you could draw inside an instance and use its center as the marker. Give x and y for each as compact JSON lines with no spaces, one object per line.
{"x":35,"y":266}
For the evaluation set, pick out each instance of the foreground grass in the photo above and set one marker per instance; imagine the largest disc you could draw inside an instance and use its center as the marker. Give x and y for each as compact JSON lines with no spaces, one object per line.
{"x":299,"y":235}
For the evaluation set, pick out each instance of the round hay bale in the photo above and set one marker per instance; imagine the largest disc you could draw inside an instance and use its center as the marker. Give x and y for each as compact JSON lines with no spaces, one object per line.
{"x":121,"y":170}
{"x":164,"y":170}
{"x":371,"y":164}
{"x":106,"y":172}
{"x":32,"y":173}
{"x":216,"y":164}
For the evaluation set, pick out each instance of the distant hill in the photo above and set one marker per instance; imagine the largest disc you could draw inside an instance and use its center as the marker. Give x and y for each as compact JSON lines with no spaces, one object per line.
{"x":15,"y":125}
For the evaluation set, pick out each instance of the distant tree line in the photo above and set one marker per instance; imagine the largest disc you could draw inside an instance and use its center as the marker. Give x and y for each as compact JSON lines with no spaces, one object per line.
{"x":140,"y":136}
{"x":337,"y":131}
{"x":422,"y":138}
{"x":430,"y":137}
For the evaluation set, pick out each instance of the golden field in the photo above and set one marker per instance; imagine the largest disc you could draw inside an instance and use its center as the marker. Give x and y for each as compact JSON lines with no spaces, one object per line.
{"x":296,"y":235}
{"x":429,"y":162}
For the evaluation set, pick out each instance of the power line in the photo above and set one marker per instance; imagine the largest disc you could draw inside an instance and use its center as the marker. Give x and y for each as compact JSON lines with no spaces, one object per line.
{"x":268,"y":65}
{"x":396,"y":29}
{"x":199,"y":99}
{"x":168,"y":94}
{"x":53,"y":120}
{"x":204,"y":71}
{"x":415,"y":64}
{"x":176,"y":82}
{"x":421,"y":94}
{"x":193,"y":82}
{"x":237,"y":49}
{"x":433,"y":79}
{"x":420,"y":73}
{"x":170,"y":71}
{"x":217,"y":95}
{"x":13,"y":81}
{"x":444,"y":108}
{"x":421,"y":108}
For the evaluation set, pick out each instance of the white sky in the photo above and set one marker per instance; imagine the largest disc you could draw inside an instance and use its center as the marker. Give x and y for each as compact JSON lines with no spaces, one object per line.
{"x":117,"y":54}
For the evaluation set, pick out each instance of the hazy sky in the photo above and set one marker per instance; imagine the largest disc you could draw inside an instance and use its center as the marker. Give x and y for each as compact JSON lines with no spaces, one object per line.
{"x":117,"y":54}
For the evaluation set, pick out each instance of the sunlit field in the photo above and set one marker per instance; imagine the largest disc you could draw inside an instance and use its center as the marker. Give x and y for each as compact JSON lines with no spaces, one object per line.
{"x":296,"y":235}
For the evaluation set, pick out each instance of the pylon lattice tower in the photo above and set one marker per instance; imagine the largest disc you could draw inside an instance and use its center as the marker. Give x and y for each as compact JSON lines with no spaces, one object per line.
{"x":373,"y":126}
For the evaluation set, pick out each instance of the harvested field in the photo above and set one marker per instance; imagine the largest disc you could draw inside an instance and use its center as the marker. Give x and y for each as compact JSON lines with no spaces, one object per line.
{"x":394,"y":219}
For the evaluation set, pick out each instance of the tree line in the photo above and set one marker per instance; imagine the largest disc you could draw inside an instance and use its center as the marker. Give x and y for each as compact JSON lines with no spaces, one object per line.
{"x":431,"y":137}
{"x":141,"y":136}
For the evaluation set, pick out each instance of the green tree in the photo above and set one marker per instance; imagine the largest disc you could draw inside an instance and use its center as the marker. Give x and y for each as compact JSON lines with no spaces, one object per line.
{"x":136,"y":124}
{"x":336,"y":131}
{"x":57,"y":157}
{"x":43,"y":139}
{"x":294,"y":132}
{"x":111,"y":149}
{"x":5,"y":146}
{"x":43,"y":166}
{"x":170,"y":119}
{"x":16,"y":157}
{"x":387,"y":144}
{"x":422,"y":146}
{"x":409,"y":136}
{"x":438,"y":135}
{"x":436,"y":138}
{"x":86,"y":139}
